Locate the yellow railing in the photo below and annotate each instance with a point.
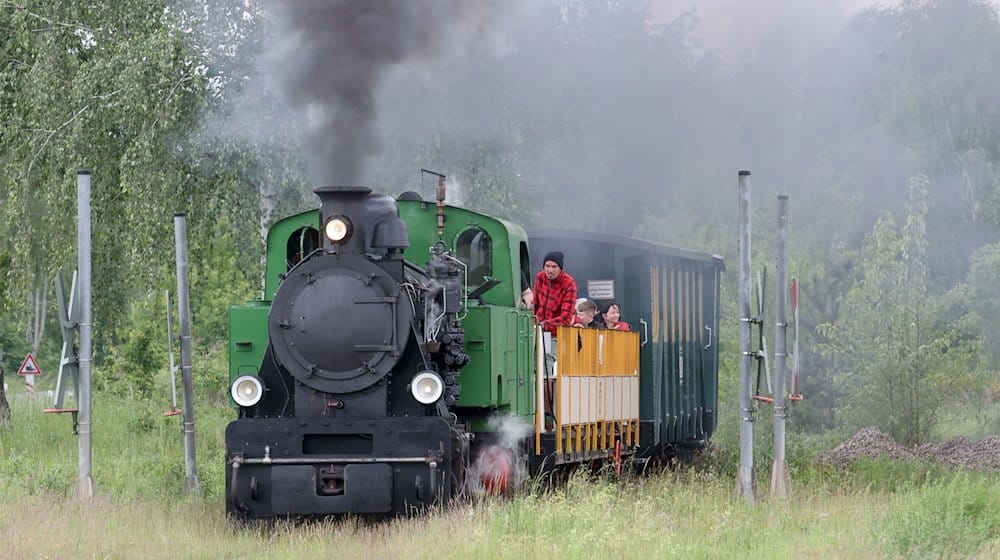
(596, 393)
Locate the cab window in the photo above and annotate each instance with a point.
(475, 248)
(525, 267)
(301, 242)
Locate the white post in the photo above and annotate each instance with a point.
(29, 386)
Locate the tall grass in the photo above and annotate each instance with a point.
(950, 517)
(136, 451)
(875, 510)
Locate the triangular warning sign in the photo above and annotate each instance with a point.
(29, 366)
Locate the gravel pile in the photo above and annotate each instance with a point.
(869, 442)
(960, 452)
(957, 452)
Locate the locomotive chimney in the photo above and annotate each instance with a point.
(342, 215)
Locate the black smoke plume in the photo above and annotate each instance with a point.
(328, 59)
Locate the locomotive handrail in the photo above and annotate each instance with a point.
(293, 266)
(518, 333)
(539, 386)
(233, 488)
(465, 284)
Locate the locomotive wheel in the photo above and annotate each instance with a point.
(495, 470)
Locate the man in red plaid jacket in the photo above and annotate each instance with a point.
(555, 294)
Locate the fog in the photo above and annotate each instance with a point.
(634, 117)
(736, 29)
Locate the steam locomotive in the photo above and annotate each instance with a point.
(388, 369)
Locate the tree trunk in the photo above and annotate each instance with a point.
(5, 417)
(41, 306)
(39, 300)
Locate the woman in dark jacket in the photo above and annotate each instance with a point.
(612, 318)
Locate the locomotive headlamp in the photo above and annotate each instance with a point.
(337, 228)
(427, 387)
(246, 390)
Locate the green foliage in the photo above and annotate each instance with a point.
(101, 88)
(488, 174)
(5, 261)
(130, 369)
(219, 281)
(899, 361)
(138, 367)
(950, 517)
(984, 300)
(211, 374)
(124, 88)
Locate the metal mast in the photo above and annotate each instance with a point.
(85, 482)
(187, 381)
(746, 485)
(779, 469)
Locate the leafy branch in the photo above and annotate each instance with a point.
(53, 23)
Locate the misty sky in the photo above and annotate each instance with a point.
(731, 26)
(603, 116)
(629, 121)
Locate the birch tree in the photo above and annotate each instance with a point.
(901, 363)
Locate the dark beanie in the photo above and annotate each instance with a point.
(554, 256)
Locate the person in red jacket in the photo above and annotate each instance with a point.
(554, 294)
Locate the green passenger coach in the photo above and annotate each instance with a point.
(670, 297)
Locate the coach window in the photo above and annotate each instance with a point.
(475, 248)
(301, 242)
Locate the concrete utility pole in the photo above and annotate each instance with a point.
(84, 483)
(187, 380)
(746, 482)
(779, 469)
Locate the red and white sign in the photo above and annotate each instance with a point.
(29, 366)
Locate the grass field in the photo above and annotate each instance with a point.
(878, 509)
